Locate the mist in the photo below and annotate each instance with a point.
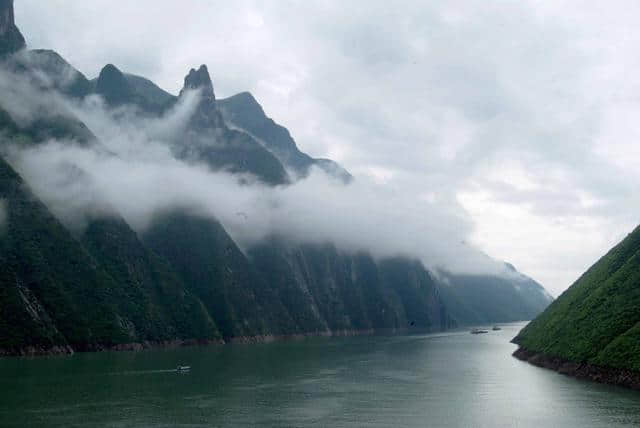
(132, 172)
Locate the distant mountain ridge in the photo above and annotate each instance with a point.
(482, 299)
(184, 279)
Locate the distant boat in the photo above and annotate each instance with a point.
(479, 331)
(496, 328)
(183, 368)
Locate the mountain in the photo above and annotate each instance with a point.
(11, 40)
(483, 299)
(48, 70)
(183, 279)
(243, 111)
(210, 140)
(207, 138)
(212, 267)
(114, 87)
(331, 290)
(593, 329)
(56, 295)
(153, 298)
(153, 96)
(119, 89)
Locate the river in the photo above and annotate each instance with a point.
(453, 379)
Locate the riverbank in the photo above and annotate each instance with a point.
(38, 351)
(41, 350)
(608, 375)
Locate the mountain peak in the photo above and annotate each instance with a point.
(113, 85)
(110, 69)
(199, 79)
(11, 40)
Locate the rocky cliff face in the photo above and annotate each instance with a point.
(325, 289)
(200, 80)
(208, 139)
(11, 40)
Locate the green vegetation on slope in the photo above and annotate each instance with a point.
(104, 290)
(213, 268)
(150, 293)
(597, 320)
(325, 289)
(48, 280)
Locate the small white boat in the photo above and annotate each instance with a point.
(183, 368)
(479, 331)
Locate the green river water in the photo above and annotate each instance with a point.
(452, 379)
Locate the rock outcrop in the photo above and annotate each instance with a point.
(11, 40)
(201, 80)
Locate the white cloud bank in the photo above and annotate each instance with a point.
(132, 172)
(521, 114)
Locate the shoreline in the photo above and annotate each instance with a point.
(607, 375)
(62, 350)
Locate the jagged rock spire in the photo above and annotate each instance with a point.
(11, 40)
(199, 79)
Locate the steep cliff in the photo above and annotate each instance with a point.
(11, 40)
(596, 322)
(58, 293)
(327, 289)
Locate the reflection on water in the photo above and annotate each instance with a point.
(454, 379)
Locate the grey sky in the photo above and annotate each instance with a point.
(520, 116)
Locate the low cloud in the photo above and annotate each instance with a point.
(25, 100)
(433, 98)
(132, 172)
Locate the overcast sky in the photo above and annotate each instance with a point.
(520, 115)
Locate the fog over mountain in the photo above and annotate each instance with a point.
(138, 218)
(133, 172)
(208, 173)
(508, 113)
